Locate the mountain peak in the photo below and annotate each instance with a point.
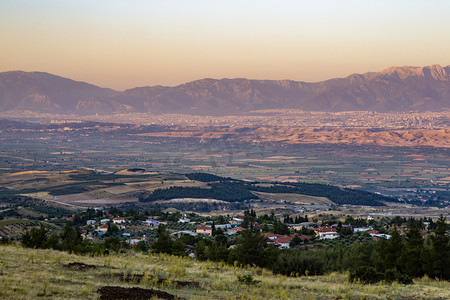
(436, 72)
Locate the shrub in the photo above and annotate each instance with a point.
(365, 274)
(247, 279)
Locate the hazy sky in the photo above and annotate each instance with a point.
(127, 43)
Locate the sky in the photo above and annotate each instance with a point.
(122, 44)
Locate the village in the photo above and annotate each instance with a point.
(133, 230)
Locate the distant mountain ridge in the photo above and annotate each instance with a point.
(392, 90)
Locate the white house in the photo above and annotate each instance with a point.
(119, 220)
(223, 226)
(362, 229)
(326, 232)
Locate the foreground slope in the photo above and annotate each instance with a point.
(29, 274)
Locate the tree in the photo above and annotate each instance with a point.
(36, 237)
(200, 250)
(280, 228)
(142, 246)
(440, 251)
(71, 239)
(112, 244)
(389, 251)
(411, 259)
(250, 248)
(164, 243)
(295, 241)
(112, 229)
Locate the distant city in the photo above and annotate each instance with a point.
(272, 117)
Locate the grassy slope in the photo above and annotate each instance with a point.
(29, 274)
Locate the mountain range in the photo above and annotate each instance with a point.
(396, 89)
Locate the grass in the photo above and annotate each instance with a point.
(33, 274)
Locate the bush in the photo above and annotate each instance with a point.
(247, 279)
(365, 274)
(299, 262)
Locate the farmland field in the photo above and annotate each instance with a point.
(374, 168)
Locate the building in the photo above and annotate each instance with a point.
(234, 230)
(223, 226)
(278, 240)
(151, 222)
(103, 228)
(183, 232)
(238, 219)
(296, 227)
(376, 235)
(204, 230)
(326, 232)
(119, 220)
(362, 229)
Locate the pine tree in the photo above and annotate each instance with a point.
(164, 243)
(250, 249)
(390, 251)
(411, 258)
(440, 251)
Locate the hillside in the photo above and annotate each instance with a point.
(81, 188)
(43, 92)
(393, 90)
(353, 136)
(53, 274)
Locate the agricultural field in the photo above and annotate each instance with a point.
(14, 228)
(169, 277)
(349, 165)
(82, 188)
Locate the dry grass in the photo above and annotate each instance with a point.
(31, 274)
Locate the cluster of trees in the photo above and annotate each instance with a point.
(236, 191)
(336, 194)
(206, 177)
(397, 259)
(227, 191)
(69, 240)
(297, 220)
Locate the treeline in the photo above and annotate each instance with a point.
(200, 206)
(336, 194)
(206, 177)
(70, 240)
(398, 259)
(227, 191)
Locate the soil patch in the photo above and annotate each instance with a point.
(80, 266)
(117, 292)
(157, 280)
